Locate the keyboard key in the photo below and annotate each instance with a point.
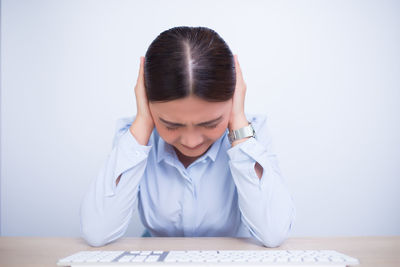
(152, 258)
(309, 259)
(126, 259)
(138, 258)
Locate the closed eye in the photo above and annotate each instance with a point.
(171, 128)
(211, 126)
(208, 127)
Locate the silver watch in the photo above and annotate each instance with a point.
(247, 131)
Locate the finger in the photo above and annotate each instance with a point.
(239, 75)
(141, 70)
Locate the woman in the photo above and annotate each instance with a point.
(191, 160)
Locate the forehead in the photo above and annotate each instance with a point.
(189, 109)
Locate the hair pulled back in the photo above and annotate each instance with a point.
(184, 61)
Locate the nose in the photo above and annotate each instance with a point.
(192, 139)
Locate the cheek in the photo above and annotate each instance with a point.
(167, 136)
(219, 130)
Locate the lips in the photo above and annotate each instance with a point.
(194, 148)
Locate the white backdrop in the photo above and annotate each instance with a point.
(325, 72)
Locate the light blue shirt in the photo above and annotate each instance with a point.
(219, 194)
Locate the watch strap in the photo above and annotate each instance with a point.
(247, 131)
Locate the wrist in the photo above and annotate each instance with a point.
(238, 122)
(141, 129)
(146, 123)
(240, 130)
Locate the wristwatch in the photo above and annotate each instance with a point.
(247, 131)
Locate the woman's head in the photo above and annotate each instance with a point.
(190, 80)
(185, 61)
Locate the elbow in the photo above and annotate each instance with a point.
(99, 232)
(94, 241)
(93, 235)
(276, 237)
(91, 227)
(93, 230)
(273, 241)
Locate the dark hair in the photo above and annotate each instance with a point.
(185, 61)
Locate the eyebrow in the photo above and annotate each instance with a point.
(200, 124)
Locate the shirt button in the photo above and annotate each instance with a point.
(137, 153)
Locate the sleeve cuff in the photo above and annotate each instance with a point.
(131, 145)
(249, 148)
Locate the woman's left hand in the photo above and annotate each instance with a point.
(237, 118)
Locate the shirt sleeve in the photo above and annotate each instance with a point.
(265, 203)
(106, 208)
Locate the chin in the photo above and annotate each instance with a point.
(194, 153)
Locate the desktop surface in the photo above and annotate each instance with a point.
(46, 251)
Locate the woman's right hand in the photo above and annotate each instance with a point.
(143, 125)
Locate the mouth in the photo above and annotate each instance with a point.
(193, 148)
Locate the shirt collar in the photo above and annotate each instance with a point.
(166, 151)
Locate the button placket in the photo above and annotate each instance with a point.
(188, 209)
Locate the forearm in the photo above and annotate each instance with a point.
(265, 203)
(105, 218)
(106, 208)
(141, 129)
(266, 208)
(238, 123)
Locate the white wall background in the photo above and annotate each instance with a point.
(327, 73)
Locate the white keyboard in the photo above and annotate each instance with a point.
(198, 258)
